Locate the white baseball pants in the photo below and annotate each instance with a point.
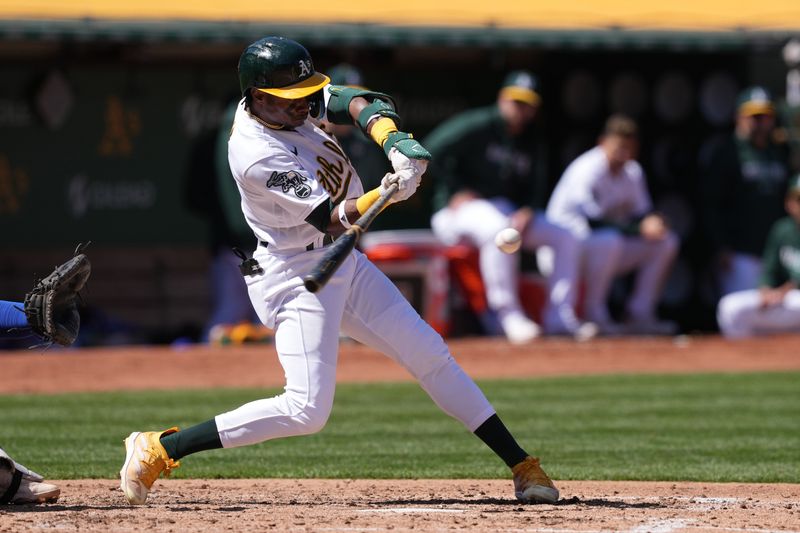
(478, 221)
(362, 302)
(607, 254)
(740, 315)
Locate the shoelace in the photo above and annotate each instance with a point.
(154, 464)
(169, 466)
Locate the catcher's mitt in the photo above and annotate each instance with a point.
(51, 306)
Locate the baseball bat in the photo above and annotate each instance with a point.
(341, 247)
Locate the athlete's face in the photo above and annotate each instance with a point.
(517, 115)
(619, 150)
(758, 128)
(793, 205)
(280, 111)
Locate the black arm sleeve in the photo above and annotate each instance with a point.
(320, 217)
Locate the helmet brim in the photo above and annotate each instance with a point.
(756, 107)
(521, 94)
(308, 86)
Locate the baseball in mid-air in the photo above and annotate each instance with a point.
(508, 240)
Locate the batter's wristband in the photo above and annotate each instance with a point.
(377, 107)
(367, 199)
(393, 138)
(381, 129)
(343, 215)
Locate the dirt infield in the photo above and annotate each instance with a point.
(401, 505)
(418, 505)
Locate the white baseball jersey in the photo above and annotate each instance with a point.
(588, 190)
(283, 175)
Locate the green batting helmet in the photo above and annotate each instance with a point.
(281, 67)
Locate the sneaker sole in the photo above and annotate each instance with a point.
(45, 497)
(49, 497)
(538, 493)
(131, 496)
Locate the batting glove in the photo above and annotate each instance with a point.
(407, 182)
(401, 161)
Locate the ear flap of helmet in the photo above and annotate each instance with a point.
(316, 104)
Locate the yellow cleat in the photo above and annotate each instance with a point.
(531, 484)
(145, 459)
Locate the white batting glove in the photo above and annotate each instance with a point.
(407, 182)
(403, 162)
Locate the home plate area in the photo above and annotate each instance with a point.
(413, 505)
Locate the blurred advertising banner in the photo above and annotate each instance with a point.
(102, 153)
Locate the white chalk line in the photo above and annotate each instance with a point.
(662, 526)
(653, 526)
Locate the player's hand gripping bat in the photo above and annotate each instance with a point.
(341, 247)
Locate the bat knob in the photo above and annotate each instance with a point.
(311, 284)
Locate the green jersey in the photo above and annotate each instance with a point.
(744, 192)
(474, 151)
(782, 254)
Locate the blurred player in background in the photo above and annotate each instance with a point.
(299, 190)
(602, 199)
(490, 173)
(210, 192)
(743, 192)
(774, 307)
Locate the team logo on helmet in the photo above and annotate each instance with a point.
(525, 80)
(305, 67)
(288, 181)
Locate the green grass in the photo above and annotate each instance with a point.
(707, 427)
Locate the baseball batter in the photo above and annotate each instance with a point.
(298, 189)
(774, 307)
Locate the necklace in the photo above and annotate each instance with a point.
(265, 123)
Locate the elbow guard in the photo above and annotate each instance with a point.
(338, 111)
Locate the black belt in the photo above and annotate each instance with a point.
(327, 239)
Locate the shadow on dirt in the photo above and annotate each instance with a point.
(501, 503)
(55, 508)
(610, 504)
(593, 502)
